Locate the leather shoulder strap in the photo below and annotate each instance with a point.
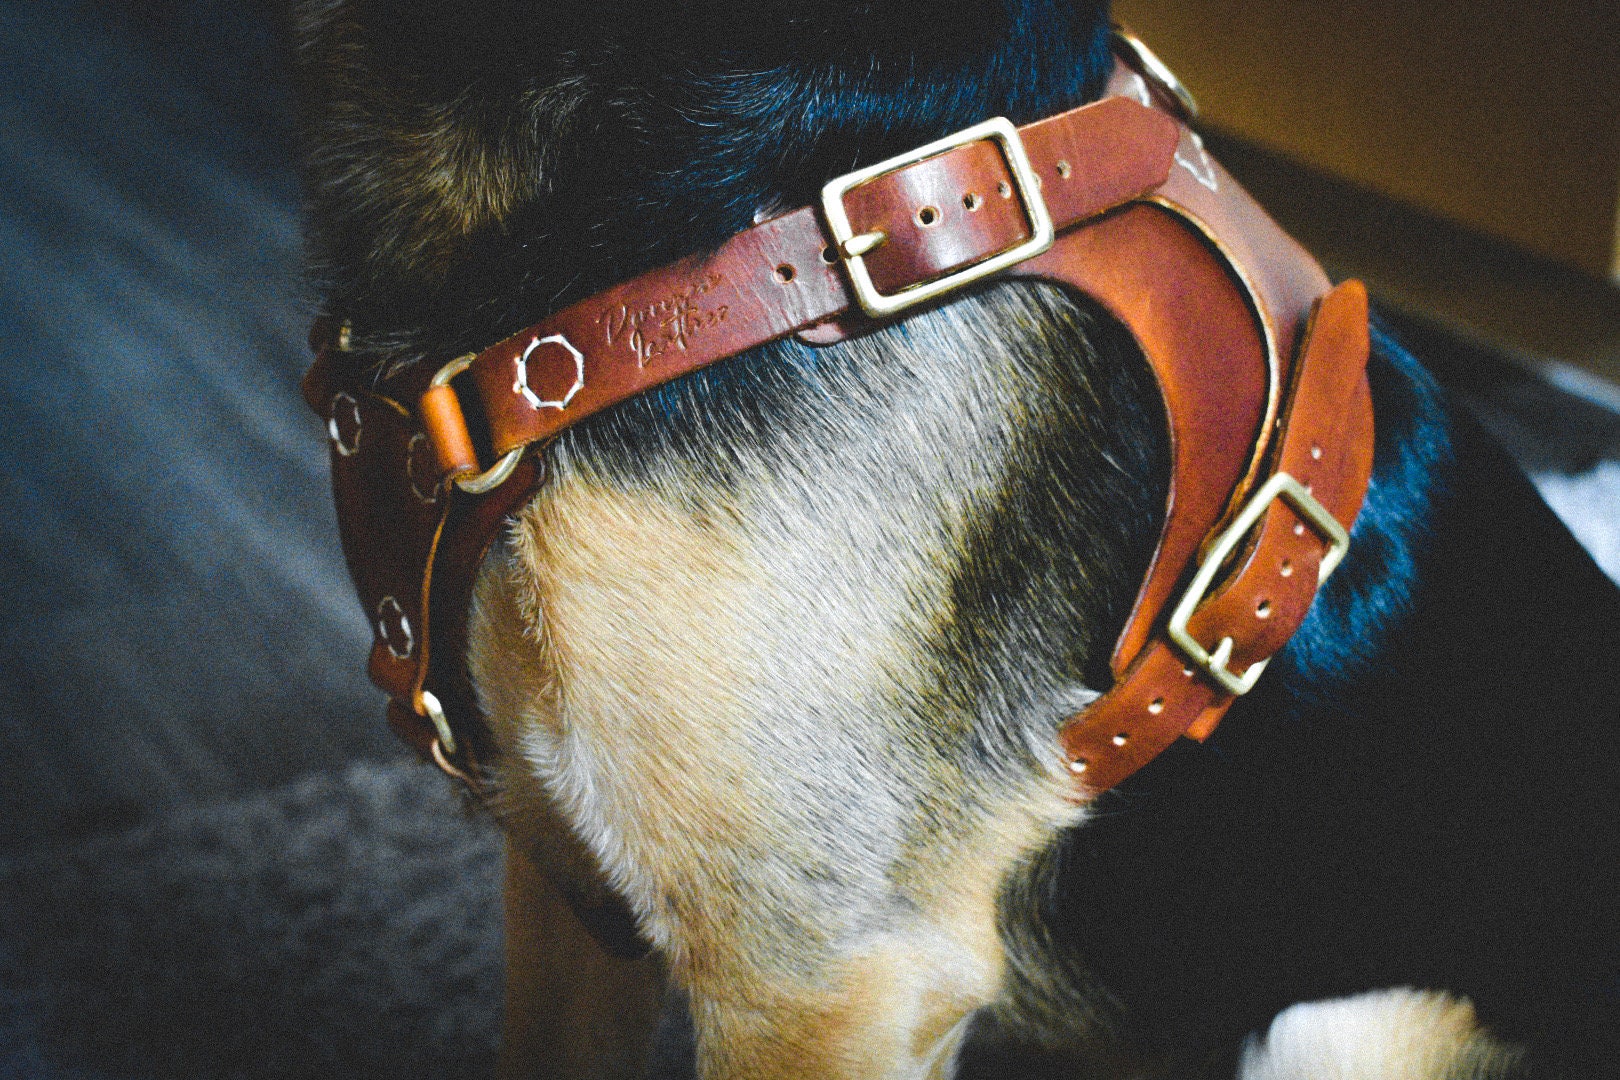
(936, 217)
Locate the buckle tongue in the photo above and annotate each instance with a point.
(1213, 662)
(1025, 182)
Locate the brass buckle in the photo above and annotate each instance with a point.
(877, 304)
(1280, 486)
(490, 478)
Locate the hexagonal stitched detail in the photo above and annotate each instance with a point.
(522, 384)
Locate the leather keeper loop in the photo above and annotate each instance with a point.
(446, 428)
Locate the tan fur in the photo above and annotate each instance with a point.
(696, 697)
(1390, 1035)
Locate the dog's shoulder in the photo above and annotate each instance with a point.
(1421, 788)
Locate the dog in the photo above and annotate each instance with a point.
(780, 650)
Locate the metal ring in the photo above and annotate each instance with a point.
(497, 474)
(493, 477)
(444, 740)
(453, 368)
(441, 723)
(448, 769)
(1158, 71)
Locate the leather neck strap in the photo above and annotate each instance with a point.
(1261, 365)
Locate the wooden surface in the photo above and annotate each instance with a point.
(572, 1011)
(1502, 116)
(1478, 287)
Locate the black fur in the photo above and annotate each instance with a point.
(1422, 790)
(636, 134)
(1419, 793)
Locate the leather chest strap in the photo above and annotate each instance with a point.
(1283, 547)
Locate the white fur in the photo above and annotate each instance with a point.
(1399, 1034)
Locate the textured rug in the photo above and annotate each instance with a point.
(342, 925)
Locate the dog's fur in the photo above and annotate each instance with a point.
(787, 643)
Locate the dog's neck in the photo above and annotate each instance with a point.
(464, 180)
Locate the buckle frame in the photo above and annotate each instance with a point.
(1280, 486)
(1025, 182)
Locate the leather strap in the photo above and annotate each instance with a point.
(1327, 447)
(1148, 225)
(774, 279)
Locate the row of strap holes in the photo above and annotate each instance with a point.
(973, 201)
(927, 217)
(1004, 189)
(1286, 567)
(1079, 765)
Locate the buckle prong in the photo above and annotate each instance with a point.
(853, 247)
(864, 244)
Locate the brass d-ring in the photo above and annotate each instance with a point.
(450, 770)
(455, 367)
(491, 478)
(497, 474)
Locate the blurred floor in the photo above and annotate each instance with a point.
(176, 621)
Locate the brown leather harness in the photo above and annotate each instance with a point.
(1262, 367)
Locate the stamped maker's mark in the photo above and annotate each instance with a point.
(654, 329)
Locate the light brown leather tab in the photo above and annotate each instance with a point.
(446, 429)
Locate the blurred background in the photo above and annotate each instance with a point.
(216, 860)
